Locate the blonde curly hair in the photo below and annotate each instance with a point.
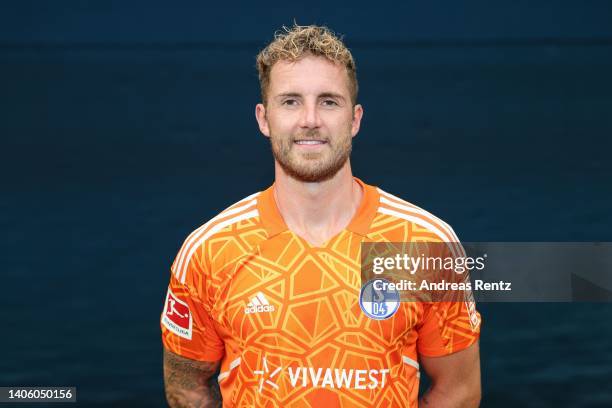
(291, 44)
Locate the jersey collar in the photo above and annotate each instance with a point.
(360, 224)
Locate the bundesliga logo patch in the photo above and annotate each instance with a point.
(177, 317)
(377, 301)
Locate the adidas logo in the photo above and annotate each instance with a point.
(258, 304)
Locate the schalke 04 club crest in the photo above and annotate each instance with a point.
(378, 301)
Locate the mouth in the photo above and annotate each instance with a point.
(309, 142)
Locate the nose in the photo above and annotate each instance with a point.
(310, 116)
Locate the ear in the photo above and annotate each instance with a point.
(357, 115)
(262, 121)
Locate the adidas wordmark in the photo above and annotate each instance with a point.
(258, 304)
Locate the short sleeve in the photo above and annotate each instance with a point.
(187, 327)
(449, 326)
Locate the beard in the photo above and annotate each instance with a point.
(311, 167)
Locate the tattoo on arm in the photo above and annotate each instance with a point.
(190, 383)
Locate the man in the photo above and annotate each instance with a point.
(268, 290)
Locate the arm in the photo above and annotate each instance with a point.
(455, 379)
(190, 383)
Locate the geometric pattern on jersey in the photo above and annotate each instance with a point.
(283, 316)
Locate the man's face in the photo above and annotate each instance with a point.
(309, 117)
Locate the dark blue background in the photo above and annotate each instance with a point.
(125, 126)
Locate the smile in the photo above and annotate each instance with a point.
(310, 142)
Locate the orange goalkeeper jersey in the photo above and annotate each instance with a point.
(284, 317)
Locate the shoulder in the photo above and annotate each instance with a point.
(392, 209)
(232, 224)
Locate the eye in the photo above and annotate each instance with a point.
(329, 102)
(290, 102)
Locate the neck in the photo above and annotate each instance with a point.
(319, 210)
